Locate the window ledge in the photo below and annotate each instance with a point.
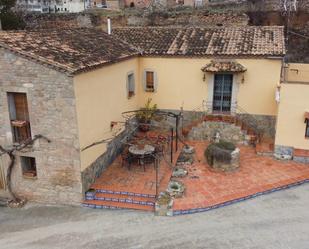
(30, 177)
(130, 96)
(149, 90)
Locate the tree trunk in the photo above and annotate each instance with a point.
(9, 174)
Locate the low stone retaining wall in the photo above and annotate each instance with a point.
(290, 153)
(266, 123)
(208, 129)
(194, 119)
(114, 148)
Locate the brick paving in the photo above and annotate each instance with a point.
(205, 188)
(135, 180)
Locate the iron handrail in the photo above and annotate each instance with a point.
(249, 120)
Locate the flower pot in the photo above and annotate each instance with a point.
(144, 126)
(185, 132)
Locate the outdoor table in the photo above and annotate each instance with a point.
(146, 150)
(140, 153)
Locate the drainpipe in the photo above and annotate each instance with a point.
(109, 26)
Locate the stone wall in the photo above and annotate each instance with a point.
(287, 153)
(114, 148)
(63, 20)
(228, 132)
(51, 104)
(265, 123)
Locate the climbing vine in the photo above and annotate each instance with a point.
(15, 200)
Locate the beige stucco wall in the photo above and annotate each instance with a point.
(290, 123)
(297, 72)
(101, 97)
(101, 94)
(180, 83)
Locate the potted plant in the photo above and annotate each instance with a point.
(145, 115)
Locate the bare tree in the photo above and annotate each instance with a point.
(17, 201)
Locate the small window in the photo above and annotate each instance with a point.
(307, 128)
(19, 117)
(131, 85)
(149, 81)
(28, 166)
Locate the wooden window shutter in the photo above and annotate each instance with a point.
(21, 106)
(150, 80)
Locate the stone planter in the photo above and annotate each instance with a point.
(227, 166)
(175, 189)
(179, 172)
(164, 205)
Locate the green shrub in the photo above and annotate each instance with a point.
(226, 145)
(11, 20)
(220, 151)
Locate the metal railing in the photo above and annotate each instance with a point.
(247, 119)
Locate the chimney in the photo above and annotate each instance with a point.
(109, 26)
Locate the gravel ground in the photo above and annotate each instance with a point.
(278, 220)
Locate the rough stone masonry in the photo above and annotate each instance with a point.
(51, 104)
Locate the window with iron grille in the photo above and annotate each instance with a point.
(19, 116)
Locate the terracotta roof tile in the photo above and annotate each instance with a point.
(227, 41)
(224, 66)
(71, 50)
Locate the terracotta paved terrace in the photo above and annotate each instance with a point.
(256, 175)
(135, 180)
(119, 187)
(134, 188)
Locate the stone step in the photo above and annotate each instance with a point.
(101, 188)
(149, 201)
(265, 149)
(3, 202)
(220, 118)
(115, 205)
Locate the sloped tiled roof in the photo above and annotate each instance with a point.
(67, 50)
(221, 41)
(77, 50)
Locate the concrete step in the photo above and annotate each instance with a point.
(265, 149)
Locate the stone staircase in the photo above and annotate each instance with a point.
(230, 128)
(108, 199)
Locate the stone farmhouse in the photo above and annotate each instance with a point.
(72, 86)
